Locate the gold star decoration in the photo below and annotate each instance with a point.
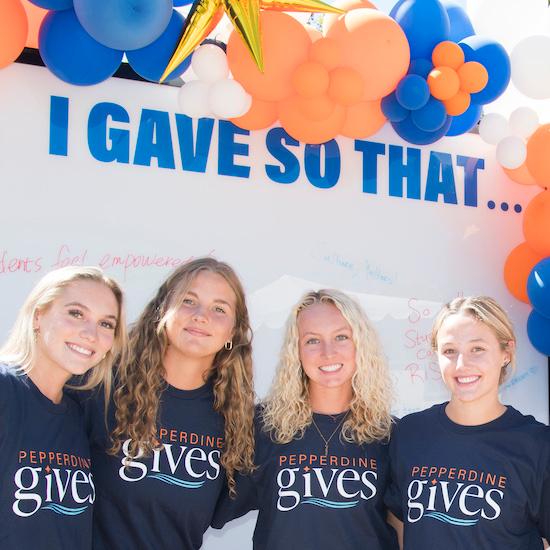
(245, 17)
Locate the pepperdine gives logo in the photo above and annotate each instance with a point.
(457, 496)
(343, 484)
(60, 482)
(187, 466)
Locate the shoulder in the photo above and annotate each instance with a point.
(417, 420)
(11, 381)
(527, 427)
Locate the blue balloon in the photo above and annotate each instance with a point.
(392, 109)
(412, 92)
(431, 117)
(72, 54)
(53, 4)
(124, 24)
(538, 287)
(150, 62)
(421, 67)
(178, 3)
(466, 121)
(461, 26)
(495, 59)
(424, 22)
(413, 134)
(538, 330)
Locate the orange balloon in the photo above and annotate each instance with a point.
(363, 119)
(458, 104)
(473, 77)
(13, 31)
(536, 223)
(538, 155)
(517, 267)
(314, 34)
(346, 86)
(285, 46)
(35, 15)
(520, 175)
(330, 18)
(304, 129)
(448, 54)
(317, 108)
(261, 114)
(443, 83)
(327, 52)
(375, 46)
(310, 79)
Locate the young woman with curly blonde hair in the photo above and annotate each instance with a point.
(180, 424)
(322, 435)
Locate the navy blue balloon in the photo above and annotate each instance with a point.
(431, 117)
(408, 130)
(53, 4)
(178, 3)
(538, 330)
(538, 287)
(424, 22)
(412, 92)
(71, 53)
(124, 24)
(466, 121)
(150, 62)
(392, 109)
(461, 26)
(495, 59)
(421, 67)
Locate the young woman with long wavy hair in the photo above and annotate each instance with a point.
(321, 436)
(71, 324)
(180, 424)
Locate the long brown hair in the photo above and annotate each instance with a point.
(140, 377)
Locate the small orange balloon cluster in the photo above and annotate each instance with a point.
(319, 86)
(452, 80)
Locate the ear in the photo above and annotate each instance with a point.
(36, 320)
(509, 350)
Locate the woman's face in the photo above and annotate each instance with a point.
(470, 358)
(76, 330)
(205, 320)
(326, 348)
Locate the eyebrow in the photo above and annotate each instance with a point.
(78, 304)
(217, 300)
(472, 341)
(341, 329)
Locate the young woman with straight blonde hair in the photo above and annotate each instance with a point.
(472, 472)
(71, 324)
(180, 423)
(321, 436)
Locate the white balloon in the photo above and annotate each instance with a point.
(228, 99)
(524, 121)
(531, 66)
(193, 99)
(210, 63)
(493, 127)
(511, 152)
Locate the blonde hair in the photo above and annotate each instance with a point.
(489, 312)
(287, 411)
(19, 350)
(140, 377)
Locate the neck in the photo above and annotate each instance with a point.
(473, 413)
(50, 384)
(329, 400)
(185, 373)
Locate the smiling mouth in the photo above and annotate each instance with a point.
(331, 368)
(466, 380)
(80, 350)
(197, 332)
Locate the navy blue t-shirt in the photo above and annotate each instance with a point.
(165, 500)
(463, 487)
(46, 489)
(307, 499)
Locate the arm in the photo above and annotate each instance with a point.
(397, 524)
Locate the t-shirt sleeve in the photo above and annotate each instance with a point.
(244, 501)
(544, 507)
(392, 497)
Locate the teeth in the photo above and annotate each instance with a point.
(84, 351)
(467, 379)
(331, 368)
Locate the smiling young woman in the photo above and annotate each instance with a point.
(180, 424)
(72, 323)
(472, 473)
(321, 436)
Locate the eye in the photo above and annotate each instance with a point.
(312, 341)
(342, 337)
(449, 351)
(219, 309)
(188, 301)
(478, 349)
(76, 313)
(108, 325)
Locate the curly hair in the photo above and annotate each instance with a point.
(141, 376)
(287, 411)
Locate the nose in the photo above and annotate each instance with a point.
(89, 332)
(327, 349)
(200, 315)
(460, 363)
